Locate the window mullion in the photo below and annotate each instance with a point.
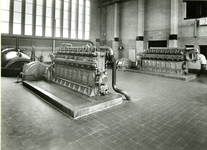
(34, 17)
(23, 17)
(77, 16)
(53, 19)
(69, 18)
(61, 18)
(84, 12)
(44, 18)
(11, 16)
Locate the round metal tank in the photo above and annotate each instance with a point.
(12, 61)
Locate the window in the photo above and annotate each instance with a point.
(87, 19)
(66, 19)
(28, 17)
(5, 16)
(39, 17)
(196, 9)
(17, 20)
(48, 26)
(73, 19)
(57, 18)
(80, 20)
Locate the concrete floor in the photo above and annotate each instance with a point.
(164, 114)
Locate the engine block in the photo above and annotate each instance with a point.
(82, 69)
(167, 60)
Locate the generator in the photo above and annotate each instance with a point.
(81, 68)
(168, 60)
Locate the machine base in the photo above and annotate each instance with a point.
(188, 77)
(70, 102)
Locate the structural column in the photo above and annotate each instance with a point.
(115, 43)
(173, 24)
(140, 29)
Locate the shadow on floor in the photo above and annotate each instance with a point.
(200, 79)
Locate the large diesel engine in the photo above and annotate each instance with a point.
(81, 68)
(168, 60)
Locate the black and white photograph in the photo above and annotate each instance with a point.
(103, 75)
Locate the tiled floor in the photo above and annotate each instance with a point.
(164, 114)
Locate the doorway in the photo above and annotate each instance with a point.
(162, 43)
(203, 50)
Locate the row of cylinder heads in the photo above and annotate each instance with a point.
(178, 67)
(173, 51)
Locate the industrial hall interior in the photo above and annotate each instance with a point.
(103, 75)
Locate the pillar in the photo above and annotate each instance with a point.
(115, 43)
(140, 27)
(173, 24)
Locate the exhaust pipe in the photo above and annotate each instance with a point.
(113, 60)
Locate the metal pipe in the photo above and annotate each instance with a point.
(111, 52)
(114, 72)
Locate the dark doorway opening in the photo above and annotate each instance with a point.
(157, 43)
(203, 50)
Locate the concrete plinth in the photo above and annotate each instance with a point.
(70, 102)
(187, 77)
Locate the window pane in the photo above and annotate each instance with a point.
(49, 12)
(80, 18)
(87, 27)
(65, 33)
(28, 8)
(29, 1)
(65, 24)
(17, 6)
(80, 10)
(49, 22)
(73, 34)
(16, 28)
(74, 9)
(87, 19)
(80, 34)
(28, 19)
(17, 17)
(58, 23)
(87, 3)
(57, 13)
(5, 15)
(80, 2)
(39, 2)
(74, 1)
(39, 10)
(48, 32)
(65, 15)
(73, 16)
(57, 33)
(4, 27)
(5, 4)
(73, 25)
(38, 20)
(80, 26)
(86, 35)
(49, 3)
(66, 5)
(38, 31)
(28, 29)
(87, 11)
(58, 4)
